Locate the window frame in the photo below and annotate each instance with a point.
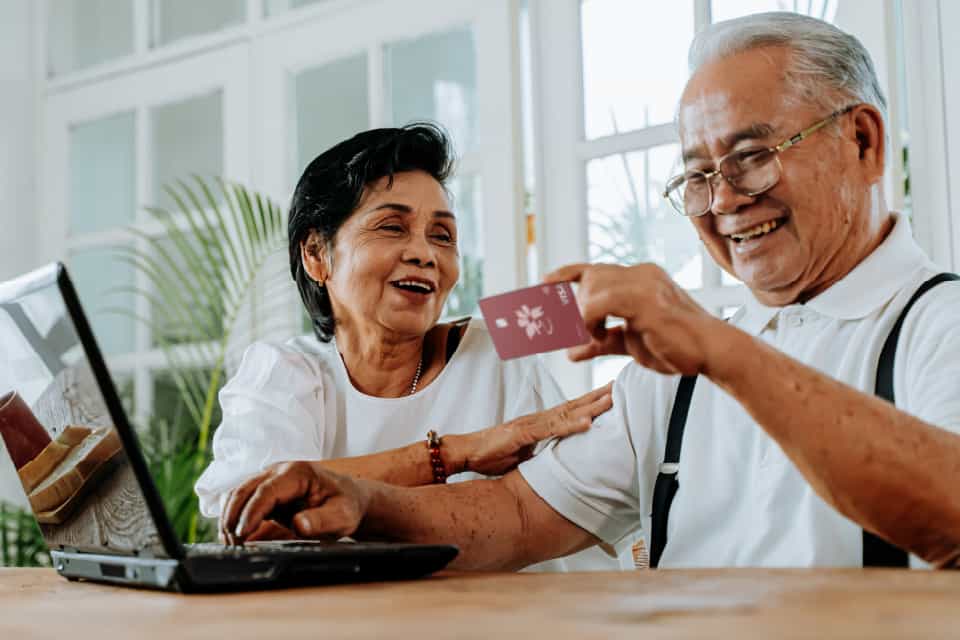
(218, 70)
(562, 152)
(237, 61)
(366, 29)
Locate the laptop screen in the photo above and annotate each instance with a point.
(58, 433)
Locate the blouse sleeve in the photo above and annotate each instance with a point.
(538, 391)
(272, 412)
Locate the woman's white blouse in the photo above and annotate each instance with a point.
(295, 402)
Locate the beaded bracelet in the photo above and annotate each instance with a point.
(436, 462)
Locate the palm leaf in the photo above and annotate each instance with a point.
(202, 275)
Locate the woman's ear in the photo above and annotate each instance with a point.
(313, 254)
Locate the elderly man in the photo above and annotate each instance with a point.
(788, 458)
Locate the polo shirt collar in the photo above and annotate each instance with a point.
(870, 285)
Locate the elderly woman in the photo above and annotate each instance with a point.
(383, 391)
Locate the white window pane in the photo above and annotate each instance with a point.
(175, 19)
(728, 9)
(187, 138)
(332, 104)
(634, 62)
(276, 7)
(465, 196)
(630, 222)
(82, 33)
(434, 78)
(104, 283)
(102, 174)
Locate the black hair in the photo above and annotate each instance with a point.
(333, 184)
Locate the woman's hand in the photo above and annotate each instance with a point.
(499, 449)
(285, 500)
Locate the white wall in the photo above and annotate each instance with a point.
(18, 109)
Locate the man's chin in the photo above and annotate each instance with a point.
(773, 292)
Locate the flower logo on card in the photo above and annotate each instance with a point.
(532, 321)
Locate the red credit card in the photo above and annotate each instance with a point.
(535, 319)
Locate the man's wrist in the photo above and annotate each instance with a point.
(727, 349)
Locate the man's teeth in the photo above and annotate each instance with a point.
(758, 230)
(415, 285)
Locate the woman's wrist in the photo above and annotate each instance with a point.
(455, 452)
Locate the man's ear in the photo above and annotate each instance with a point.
(313, 254)
(871, 140)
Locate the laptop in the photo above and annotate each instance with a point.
(85, 477)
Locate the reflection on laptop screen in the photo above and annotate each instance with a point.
(59, 435)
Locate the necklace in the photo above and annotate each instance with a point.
(416, 376)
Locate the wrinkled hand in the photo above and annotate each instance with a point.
(664, 329)
(293, 500)
(499, 449)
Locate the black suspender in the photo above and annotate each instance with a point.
(667, 483)
(876, 551)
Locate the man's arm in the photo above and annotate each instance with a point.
(492, 451)
(890, 472)
(497, 524)
(883, 468)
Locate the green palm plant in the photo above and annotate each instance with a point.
(21, 543)
(208, 272)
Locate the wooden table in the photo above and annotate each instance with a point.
(36, 603)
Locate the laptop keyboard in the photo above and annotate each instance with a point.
(286, 546)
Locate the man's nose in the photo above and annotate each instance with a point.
(726, 199)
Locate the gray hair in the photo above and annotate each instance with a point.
(823, 57)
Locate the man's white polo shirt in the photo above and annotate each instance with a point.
(741, 502)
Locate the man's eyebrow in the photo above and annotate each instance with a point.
(405, 209)
(753, 132)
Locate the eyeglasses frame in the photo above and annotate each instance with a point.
(776, 150)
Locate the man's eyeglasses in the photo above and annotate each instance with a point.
(749, 171)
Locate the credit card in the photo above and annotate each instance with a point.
(535, 319)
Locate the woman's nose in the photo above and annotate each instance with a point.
(419, 251)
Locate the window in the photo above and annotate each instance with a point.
(172, 20)
(278, 7)
(386, 68)
(332, 102)
(148, 92)
(84, 33)
(122, 139)
(604, 112)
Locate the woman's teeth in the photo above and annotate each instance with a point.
(759, 230)
(414, 285)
